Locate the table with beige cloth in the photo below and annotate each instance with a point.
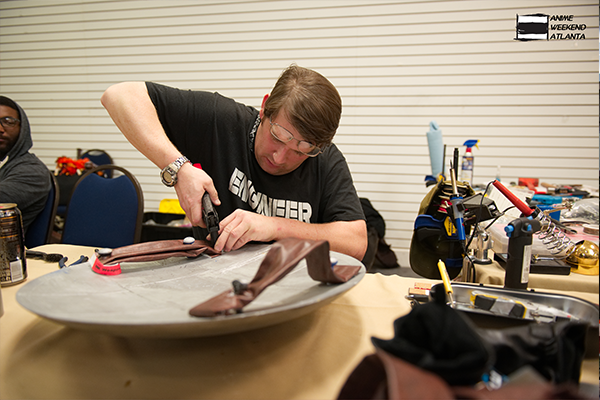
(493, 274)
(306, 358)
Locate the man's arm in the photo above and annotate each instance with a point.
(131, 109)
(133, 112)
(241, 227)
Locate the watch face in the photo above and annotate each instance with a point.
(168, 178)
(169, 173)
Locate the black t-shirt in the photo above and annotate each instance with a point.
(218, 133)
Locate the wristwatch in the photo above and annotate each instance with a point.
(168, 175)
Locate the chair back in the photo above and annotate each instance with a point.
(40, 230)
(104, 212)
(99, 157)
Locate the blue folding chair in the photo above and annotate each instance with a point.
(104, 212)
(40, 230)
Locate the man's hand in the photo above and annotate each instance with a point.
(241, 227)
(190, 187)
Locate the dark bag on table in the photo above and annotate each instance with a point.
(436, 352)
(379, 254)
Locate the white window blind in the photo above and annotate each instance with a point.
(398, 65)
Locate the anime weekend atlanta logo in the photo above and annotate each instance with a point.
(549, 27)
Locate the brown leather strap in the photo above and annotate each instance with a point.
(283, 256)
(156, 250)
(404, 380)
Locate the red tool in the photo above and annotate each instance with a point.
(522, 206)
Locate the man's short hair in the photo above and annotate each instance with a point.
(312, 103)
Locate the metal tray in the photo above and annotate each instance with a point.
(153, 299)
(580, 310)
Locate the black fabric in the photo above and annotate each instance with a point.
(24, 178)
(215, 131)
(372, 241)
(379, 254)
(385, 257)
(555, 350)
(373, 216)
(441, 340)
(66, 183)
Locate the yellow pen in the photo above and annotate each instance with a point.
(447, 284)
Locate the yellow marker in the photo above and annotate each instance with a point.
(446, 279)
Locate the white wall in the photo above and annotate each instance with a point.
(397, 64)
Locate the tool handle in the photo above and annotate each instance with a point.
(207, 205)
(211, 218)
(455, 165)
(453, 181)
(458, 215)
(208, 209)
(522, 206)
(445, 277)
(460, 228)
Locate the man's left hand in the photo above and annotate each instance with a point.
(241, 227)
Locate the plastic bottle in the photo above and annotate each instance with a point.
(468, 161)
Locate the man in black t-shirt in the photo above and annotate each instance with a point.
(271, 174)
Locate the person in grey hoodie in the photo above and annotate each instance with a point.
(24, 178)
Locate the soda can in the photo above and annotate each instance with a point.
(13, 264)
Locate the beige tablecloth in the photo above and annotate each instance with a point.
(306, 358)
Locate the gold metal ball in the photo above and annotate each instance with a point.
(584, 258)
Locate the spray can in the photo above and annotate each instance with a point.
(468, 161)
(13, 266)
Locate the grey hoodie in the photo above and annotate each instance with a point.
(24, 178)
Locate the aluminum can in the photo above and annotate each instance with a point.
(13, 264)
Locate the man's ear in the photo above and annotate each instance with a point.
(262, 106)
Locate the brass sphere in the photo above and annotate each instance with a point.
(584, 258)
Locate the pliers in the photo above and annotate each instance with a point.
(63, 262)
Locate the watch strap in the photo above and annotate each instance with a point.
(177, 164)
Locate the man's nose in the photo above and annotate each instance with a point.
(280, 155)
